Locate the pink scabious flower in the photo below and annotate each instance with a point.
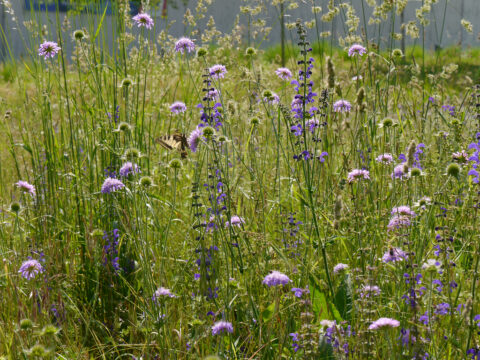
(384, 158)
(111, 185)
(342, 106)
(143, 20)
(217, 71)
(339, 267)
(394, 255)
(48, 49)
(356, 49)
(235, 221)
(358, 174)
(398, 222)
(184, 44)
(283, 73)
(194, 139)
(129, 168)
(162, 292)
(460, 156)
(297, 103)
(222, 327)
(178, 107)
(26, 187)
(384, 322)
(276, 278)
(30, 269)
(368, 290)
(403, 211)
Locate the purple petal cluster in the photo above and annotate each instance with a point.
(222, 327)
(384, 322)
(184, 44)
(358, 174)
(342, 106)
(143, 20)
(178, 107)
(26, 187)
(283, 73)
(356, 49)
(30, 269)
(194, 139)
(217, 71)
(276, 278)
(48, 49)
(129, 168)
(111, 185)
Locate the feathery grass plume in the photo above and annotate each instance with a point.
(411, 154)
(360, 100)
(330, 73)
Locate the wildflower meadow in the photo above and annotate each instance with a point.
(211, 197)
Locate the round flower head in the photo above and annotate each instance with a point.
(342, 106)
(194, 139)
(398, 222)
(339, 268)
(399, 172)
(184, 44)
(162, 292)
(178, 107)
(217, 71)
(368, 290)
(358, 174)
(431, 265)
(222, 327)
(276, 278)
(129, 168)
(403, 211)
(283, 73)
(384, 158)
(394, 255)
(143, 20)
(30, 269)
(235, 221)
(460, 156)
(272, 100)
(384, 322)
(48, 49)
(111, 185)
(26, 187)
(356, 49)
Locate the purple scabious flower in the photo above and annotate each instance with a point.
(403, 211)
(30, 269)
(26, 187)
(342, 106)
(339, 267)
(143, 20)
(222, 327)
(276, 278)
(358, 174)
(184, 44)
(48, 49)
(356, 49)
(384, 322)
(212, 94)
(217, 71)
(194, 139)
(111, 185)
(129, 168)
(460, 156)
(162, 292)
(283, 73)
(178, 107)
(235, 221)
(398, 222)
(312, 124)
(399, 172)
(384, 159)
(394, 255)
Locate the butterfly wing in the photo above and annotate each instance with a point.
(176, 141)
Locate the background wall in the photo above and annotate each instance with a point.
(225, 11)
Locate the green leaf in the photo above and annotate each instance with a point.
(343, 298)
(325, 310)
(267, 314)
(101, 23)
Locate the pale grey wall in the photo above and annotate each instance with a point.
(225, 11)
